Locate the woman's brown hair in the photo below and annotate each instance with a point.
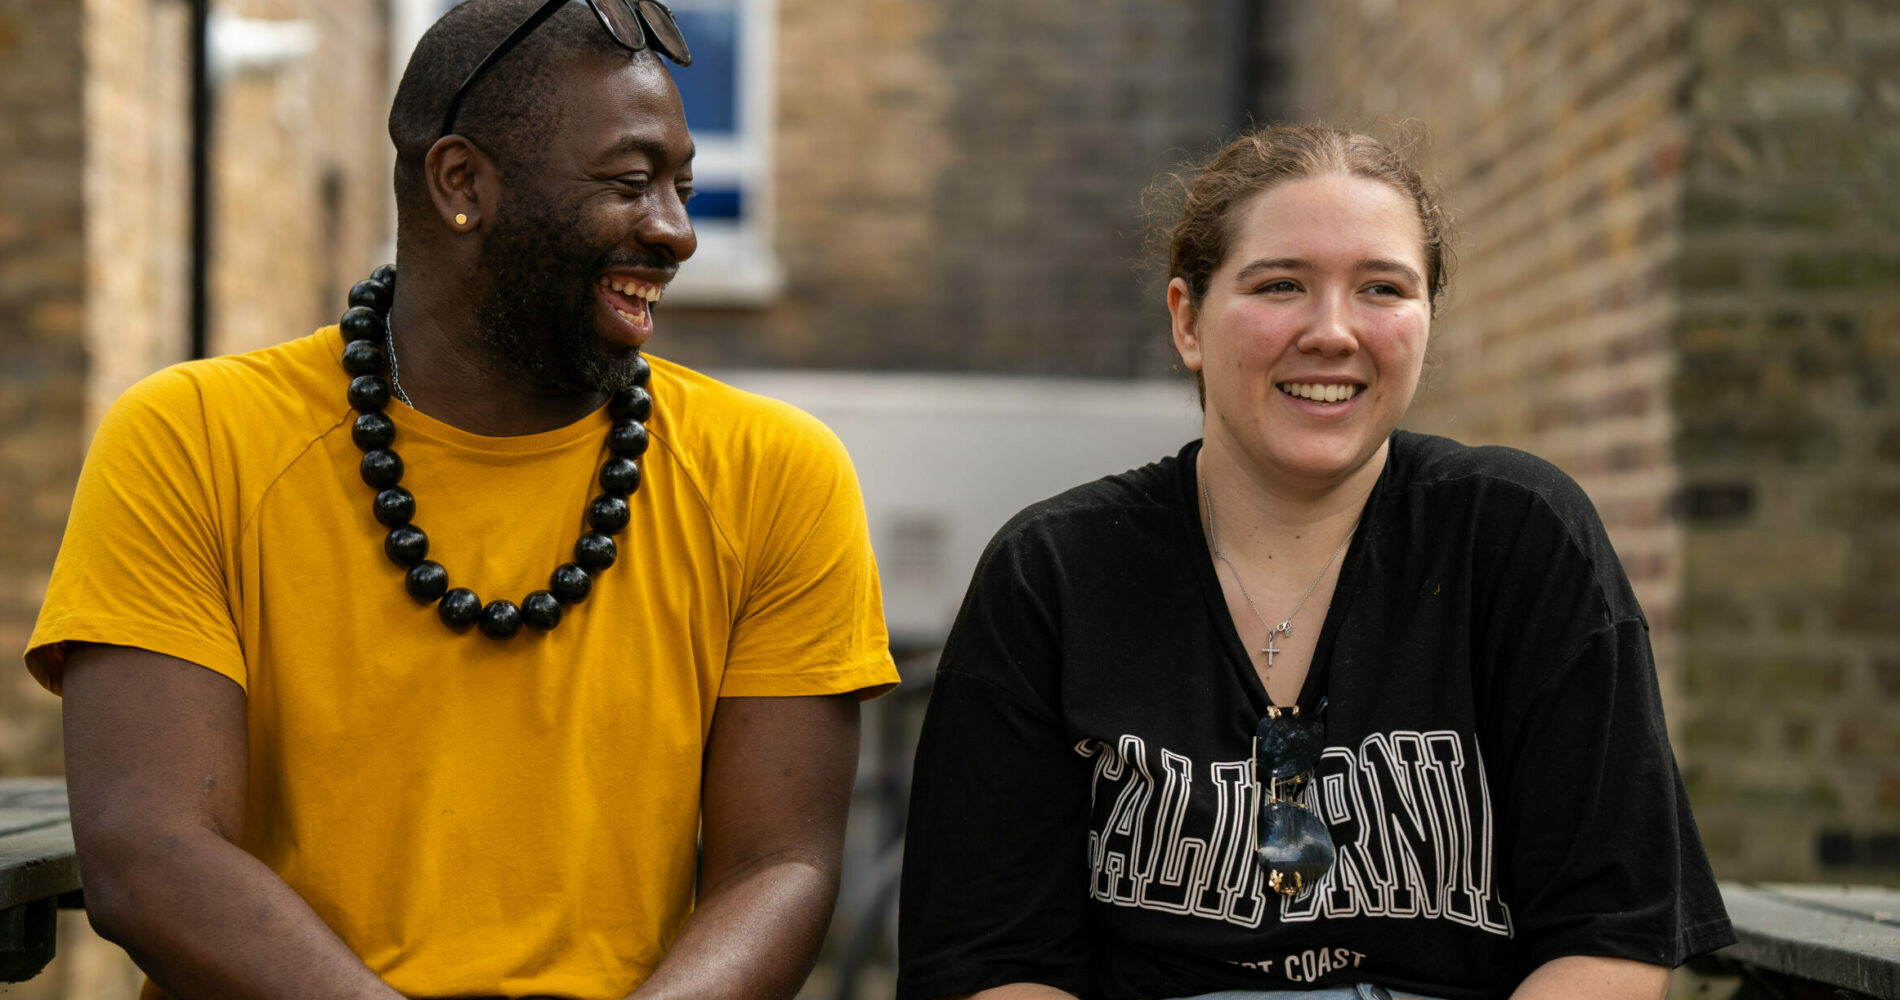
(1201, 198)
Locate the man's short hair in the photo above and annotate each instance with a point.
(512, 109)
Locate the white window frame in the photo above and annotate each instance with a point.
(736, 264)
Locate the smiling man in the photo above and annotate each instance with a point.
(590, 734)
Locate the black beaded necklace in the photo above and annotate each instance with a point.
(365, 330)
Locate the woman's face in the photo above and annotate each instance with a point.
(1312, 333)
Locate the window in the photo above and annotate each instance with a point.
(727, 92)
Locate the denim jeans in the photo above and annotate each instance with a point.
(1362, 991)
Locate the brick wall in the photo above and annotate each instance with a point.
(1788, 397)
(957, 185)
(137, 208)
(302, 175)
(43, 364)
(1679, 281)
(1554, 131)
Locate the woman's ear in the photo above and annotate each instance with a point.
(462, 182)
(1187, 341)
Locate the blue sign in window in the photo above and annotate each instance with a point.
(710, 203)
(709, 88)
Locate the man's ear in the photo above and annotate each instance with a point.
(462, 181)
(1187, 338)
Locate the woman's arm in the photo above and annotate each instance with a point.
(1589, 977)
(1608, 882)
(1022, 991)
(995, 883)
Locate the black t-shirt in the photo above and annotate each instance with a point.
(1496, 775)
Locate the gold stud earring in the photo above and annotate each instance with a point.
(460, 219)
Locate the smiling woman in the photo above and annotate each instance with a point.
(1315, 707)
(1310, 336)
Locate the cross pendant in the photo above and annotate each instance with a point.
(1284, 628)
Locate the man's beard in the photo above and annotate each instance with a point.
(536, 315)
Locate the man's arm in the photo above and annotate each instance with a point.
(776, 789)
(1589, 977)
(156, 764)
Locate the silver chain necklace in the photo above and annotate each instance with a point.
(389, 347)
(1286, 626)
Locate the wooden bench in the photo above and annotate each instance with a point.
(38, 872)
(1845, 937)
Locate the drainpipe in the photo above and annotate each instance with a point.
(200, 294)
(1240, 26)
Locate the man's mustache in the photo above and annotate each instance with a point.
(658, 260)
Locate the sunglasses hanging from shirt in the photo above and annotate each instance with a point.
(1292, 844)
(635, 24)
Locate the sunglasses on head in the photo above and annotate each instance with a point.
(635, 24)
(1292, 844)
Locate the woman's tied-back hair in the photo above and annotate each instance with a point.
(512, 109)
(1192, 209)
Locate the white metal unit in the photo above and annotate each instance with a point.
(946, 459)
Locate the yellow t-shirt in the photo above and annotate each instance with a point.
(472, 817)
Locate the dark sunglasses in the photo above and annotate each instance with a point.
(1292, 844)
(635, 24)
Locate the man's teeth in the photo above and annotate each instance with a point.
(1318, 392)
(638, 289)
(629, 317)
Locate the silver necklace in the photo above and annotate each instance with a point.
(1286, 626)
(389, 348)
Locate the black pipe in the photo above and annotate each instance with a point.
(1255, 59)
(200, 177)
(1236, 59)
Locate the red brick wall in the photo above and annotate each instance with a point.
(137, 207)
(958, 185)
(1680, 281)
(302, 168)
(1555, 132)
(1788, 401)
(43, 363)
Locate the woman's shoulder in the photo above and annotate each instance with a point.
(1427, 463)
(1521, 510)
(1143, 498)
(1428, 459)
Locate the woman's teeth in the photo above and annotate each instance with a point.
(1320, 392)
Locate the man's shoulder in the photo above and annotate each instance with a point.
(266, 393)
(706, 420)
(249, 387)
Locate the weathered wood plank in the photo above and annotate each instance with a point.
(36, 866)
(1875, 903)
(33, 793)
(36, 841)
(1839, 935)
(30, 803)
